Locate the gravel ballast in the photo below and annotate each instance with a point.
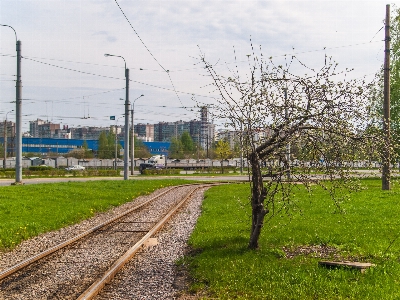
(151, 275)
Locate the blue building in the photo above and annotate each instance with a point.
(62, 146)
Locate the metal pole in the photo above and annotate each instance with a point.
(126, 126)
(5, 143)
(126, 142)
(386, 107)
(18, 121)
(133, 140)
(133, 135)
(5, 140)
(115, 160)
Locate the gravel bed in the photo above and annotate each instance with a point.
(159, 260)
(153, 273)
(44, 241)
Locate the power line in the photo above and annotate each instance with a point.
(148, 50)
(78, 97)
(69, 69)
(72, 61)
(130, 24)
(104, 76)
(197, 68)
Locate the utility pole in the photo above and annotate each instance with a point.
(133, 141)
(18, 121)
(133, 135)
(5, 144)
(5, 140)
(126, 142)
(116, 148)
(386, 106)
(18, 113)
(126, 135)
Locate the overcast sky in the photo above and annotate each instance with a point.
(66, 77)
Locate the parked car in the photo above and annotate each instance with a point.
(75, 168)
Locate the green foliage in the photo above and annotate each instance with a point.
(395, 72)
(161, 171)
(39, 168)
(76, 153)
(29, 210)
(88, 153)
(182, 147)
(140, 149)
(106, 145)
(176, 148)
(223, 150)
(43, 172)
(187, 142)
(363, 228)
(7, 173)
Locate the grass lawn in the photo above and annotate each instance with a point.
(28, 210)
(286, 265)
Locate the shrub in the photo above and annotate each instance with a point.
(39, 168)
(161, 171)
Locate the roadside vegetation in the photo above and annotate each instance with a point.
(27, 211)
(364, 227)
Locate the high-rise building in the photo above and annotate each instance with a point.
(34, 127)
(144, 132)
(88, 133)
(201, 132)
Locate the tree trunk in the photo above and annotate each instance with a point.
(258, 195)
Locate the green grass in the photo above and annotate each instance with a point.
(26, 211)
(366, 228)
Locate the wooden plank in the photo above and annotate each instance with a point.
(351, 264)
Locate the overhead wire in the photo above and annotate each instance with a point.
(77, 97)
(150, 85)
(188, 69)
(110, 77)
(148, 50)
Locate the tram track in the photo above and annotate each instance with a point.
(79, 267)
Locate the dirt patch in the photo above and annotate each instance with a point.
(320, 251)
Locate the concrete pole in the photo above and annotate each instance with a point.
(126, 142)
(18, 121)
(386, 107)
(133, 140)
(116, 148)
(5, 144)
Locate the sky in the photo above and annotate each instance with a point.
(67, 79)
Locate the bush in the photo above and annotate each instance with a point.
(9, 174)
(161, 171)
(39, 168)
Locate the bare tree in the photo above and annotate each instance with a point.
(323, 115)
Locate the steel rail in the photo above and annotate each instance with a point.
(55, 248)
(99, 284)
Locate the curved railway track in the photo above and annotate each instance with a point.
(80, 267)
